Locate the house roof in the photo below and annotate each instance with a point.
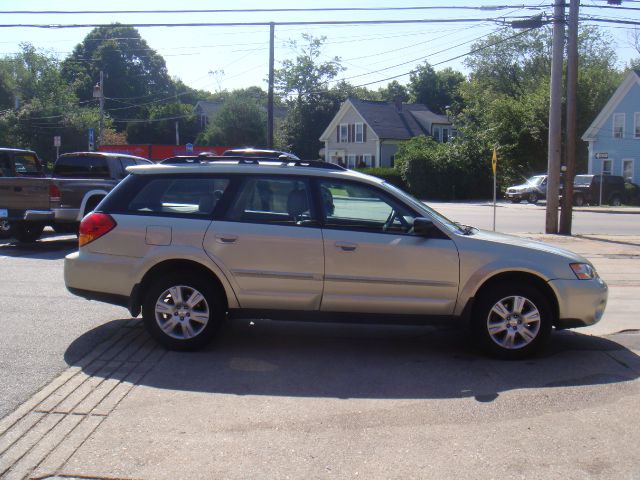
(388, 121)
(632, 78)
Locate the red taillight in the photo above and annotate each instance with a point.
(94, 226)
(54, 193)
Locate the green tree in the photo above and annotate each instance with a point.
(134, 74)
(160, 125)
(240, 122)
(392, 91)
(437, 90)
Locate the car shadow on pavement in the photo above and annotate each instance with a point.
(47, 248)
(359, 361)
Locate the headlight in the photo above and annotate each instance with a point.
(583, 271)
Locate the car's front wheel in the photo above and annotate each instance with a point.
(182, 311)
(578, 200)
(533, 197)
(512, 320)
(5, 228)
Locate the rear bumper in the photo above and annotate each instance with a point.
(580, 302)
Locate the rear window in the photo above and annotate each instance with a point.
(26, 163)
(81, 166)
(582, 180)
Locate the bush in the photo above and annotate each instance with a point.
(390, 175)
(445, 171)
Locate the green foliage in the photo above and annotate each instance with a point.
(161, 127)
(453, 170)
(391, 175)
(436, 90)
(239, 123)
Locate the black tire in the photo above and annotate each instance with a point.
(578, 200)
(615, 200)
(174, 328)
(27, 232)
(518, 332)
(66, 228)
(533, 197)
(5, 228)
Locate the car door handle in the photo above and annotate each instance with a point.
(347, 246)
(226, 238)
(17, 189)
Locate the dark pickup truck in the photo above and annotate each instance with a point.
(78, 183)
(587, 190)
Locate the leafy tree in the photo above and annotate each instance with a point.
(134, 74)
(392, 91)
(160, 125)
(436, 90)
(239, 123)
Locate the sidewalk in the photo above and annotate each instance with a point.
(133, 410)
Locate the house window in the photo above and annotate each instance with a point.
(436, 134)
(359, 133)
(618, 125)
(627, 169)
(636, 125)
(445, 135)
(344, 133)
(606, 167)
(351, 161)
(367, 160)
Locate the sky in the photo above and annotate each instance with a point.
(215, 58)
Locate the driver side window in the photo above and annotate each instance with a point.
(360, 207)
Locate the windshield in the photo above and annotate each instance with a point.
(430, 212)
(536, 180)
(26, 164)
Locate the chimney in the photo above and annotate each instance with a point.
(398, 101)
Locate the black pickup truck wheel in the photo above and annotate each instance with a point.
(5, 229)
(27, 232)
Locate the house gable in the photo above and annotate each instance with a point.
(347, 109)
(631, 80)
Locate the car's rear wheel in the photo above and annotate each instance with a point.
(27, 232)
(533, 197)
(516, 200)
(182, 311)
(5, 228)
(512, 320)
(578, 200)
(615, 201)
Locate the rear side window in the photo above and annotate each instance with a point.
(179, 196)
(5, 165)
(26, 163)
(81, 166)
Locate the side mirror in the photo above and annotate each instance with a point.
(423, 227)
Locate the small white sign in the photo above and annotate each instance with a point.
(57, 141)
(602, 155)
(4, 213)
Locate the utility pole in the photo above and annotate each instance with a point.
(572, 82)
(272, 28)
(177, 134)
(555, 120)
(98, 92)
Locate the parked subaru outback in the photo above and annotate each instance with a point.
(532, 190)
(189, 245)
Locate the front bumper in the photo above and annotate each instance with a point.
(580, 302)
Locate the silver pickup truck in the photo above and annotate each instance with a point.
(78, 183)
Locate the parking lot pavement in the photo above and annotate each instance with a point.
(291, 400)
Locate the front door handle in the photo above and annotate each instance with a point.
(347, 246)
(17, 189)
(226, 238)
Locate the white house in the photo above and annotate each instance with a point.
(367, 133)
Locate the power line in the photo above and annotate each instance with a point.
(503, 20)
(271, 10)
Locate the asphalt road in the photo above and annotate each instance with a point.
(529, 218)
(44, 329)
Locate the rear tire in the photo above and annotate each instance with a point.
(512, 320)
(27, 232)
(5, 229)
(183, 311)
(615, 201)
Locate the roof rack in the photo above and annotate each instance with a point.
(283, 160)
